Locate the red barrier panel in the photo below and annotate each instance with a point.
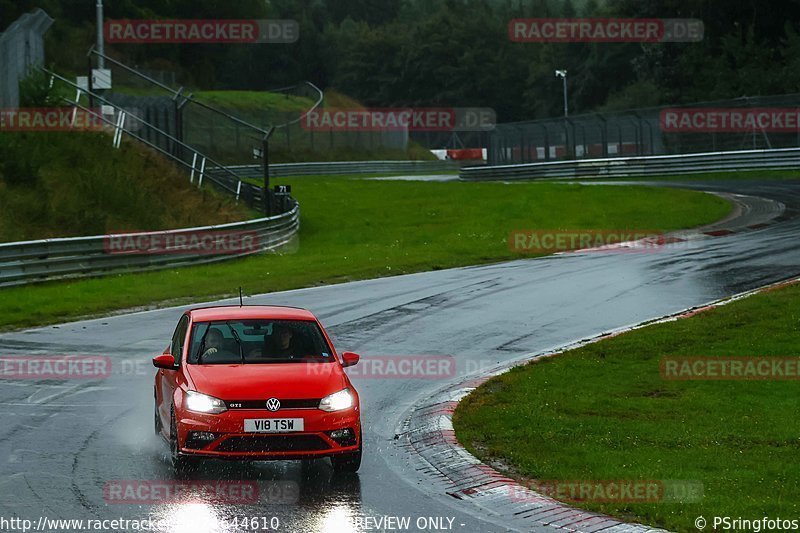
(466, 153)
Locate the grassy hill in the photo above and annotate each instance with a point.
(69, 184)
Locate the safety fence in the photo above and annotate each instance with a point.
(230, 127)
(341, 167)
(73, 257)
(617, 167)
(747, 123)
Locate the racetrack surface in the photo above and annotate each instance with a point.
(62, 442)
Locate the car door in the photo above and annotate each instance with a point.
(169, 378)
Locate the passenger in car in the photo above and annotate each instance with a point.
(280, 344)
(284, 343)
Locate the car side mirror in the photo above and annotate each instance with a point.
(165, 361)
(350, 358)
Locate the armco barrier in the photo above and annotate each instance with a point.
(33, 261)
(340, 167)
(782, 158)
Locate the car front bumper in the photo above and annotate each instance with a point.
(230, 441)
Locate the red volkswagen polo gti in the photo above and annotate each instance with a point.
(256, 383)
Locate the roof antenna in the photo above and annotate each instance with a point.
(241, 303)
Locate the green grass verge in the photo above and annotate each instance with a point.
(603, 412)
(255, 100)
(356, 229)
(248, 100)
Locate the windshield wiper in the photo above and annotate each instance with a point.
(238, 341)
(202, 345)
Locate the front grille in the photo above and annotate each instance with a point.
(273, 443)
(305, 403)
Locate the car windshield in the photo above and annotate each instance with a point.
(258, 341)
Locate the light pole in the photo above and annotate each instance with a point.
(101, 61)
(563, 75)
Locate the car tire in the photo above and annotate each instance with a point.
(347, 462)
(180, 463)
(157, 421)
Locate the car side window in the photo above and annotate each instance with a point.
(178, 337)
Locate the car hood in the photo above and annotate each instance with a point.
(259, 381)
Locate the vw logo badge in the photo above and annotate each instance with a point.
(273, 404)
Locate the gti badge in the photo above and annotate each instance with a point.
(273, 404)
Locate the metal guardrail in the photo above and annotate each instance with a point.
(42, 260)
(340, 167)
(781, 158)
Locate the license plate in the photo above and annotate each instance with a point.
(273, 425)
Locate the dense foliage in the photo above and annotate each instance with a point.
(457, 52)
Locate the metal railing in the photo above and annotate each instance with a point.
(341, 167)
(182, 115)
(224, 179)
(42, 260)
(182, 98)
(776, 159)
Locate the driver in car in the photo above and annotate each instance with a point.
(214, 342)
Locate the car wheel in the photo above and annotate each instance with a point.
(157, 421)
(347, 462)
(180, 463)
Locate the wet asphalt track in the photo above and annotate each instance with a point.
(62, 442)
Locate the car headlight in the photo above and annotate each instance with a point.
(201, 403)
(338, 401)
